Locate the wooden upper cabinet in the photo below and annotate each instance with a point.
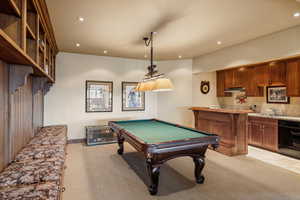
(293, 78)
(220, 83)
(229, 78)
(240, 77)
(261, 75)
(277, 73)
(254, 86)
(235, 77)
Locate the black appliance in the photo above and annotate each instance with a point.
(289, 138)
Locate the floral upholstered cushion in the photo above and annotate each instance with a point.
(46, 191)
(41, 152)
(49, 140)
(32, 172)
(53, 130)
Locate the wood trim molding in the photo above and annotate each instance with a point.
(45, 17)
(23, 25)
(297, 56)
(18, 76)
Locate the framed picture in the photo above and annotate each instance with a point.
(277, 94)
(131, 99)
(99, 96)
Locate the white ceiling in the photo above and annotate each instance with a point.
(185, 27)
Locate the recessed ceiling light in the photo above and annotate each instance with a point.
(105, 51)
(219, 42)
(179, 56)
(77, 45)
(81, 19)
(297, 14)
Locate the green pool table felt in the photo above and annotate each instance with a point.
(151, 131)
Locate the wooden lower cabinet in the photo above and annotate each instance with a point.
(255, 135)
(263, 132)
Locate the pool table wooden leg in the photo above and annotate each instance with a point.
(199, 165)
(153, 173)
(121, 144)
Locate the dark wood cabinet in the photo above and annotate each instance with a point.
(270, 136)
(255, 134)
(221, 84)
(235, 77)
(283, 72)
(252, 86)
(293, 78)
(263, 132)
(240, 77)
(261, 75)
(229, 78)
(277, 73)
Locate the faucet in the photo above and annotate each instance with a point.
(253, 107)
(274, 110)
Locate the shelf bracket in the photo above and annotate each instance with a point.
(47, 87)
(18, 76)
(38, 84)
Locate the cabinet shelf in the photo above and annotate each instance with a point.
(10, 7)
(12, 53)
(25, 35)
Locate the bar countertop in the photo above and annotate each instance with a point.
(221, 110)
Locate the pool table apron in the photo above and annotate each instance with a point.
(162, 152)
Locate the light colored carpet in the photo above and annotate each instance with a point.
(99, 173)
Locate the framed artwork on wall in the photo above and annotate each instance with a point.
(277, 94)
(131, 99)
(99, 96)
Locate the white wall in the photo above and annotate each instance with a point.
(200, 99)
(277, 45)
(65, 102)
(173, 106)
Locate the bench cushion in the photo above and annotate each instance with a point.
(32, 172)
(41, 152)
(46, 191)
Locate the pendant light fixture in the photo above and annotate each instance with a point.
(153, 81)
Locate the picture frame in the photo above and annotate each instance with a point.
(98, 96)
(132, 100)
(277, 94)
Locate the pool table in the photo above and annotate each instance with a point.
(161, 141)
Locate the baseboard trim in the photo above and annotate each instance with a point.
(76, 141)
